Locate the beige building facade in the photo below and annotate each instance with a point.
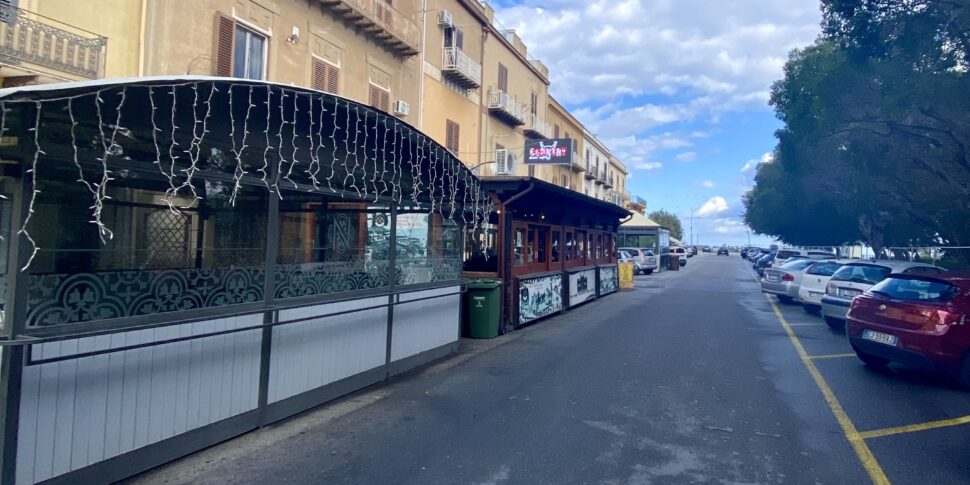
(445, 66)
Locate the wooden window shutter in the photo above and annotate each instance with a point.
(379, 98)
(326, 76)
(459, 39)
(225, 44)
(555, 131)
(452, 136)
(503, 78)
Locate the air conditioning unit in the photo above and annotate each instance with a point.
(402, 108)
(444, 19)
(504, 162)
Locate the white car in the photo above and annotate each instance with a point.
(856, 278)
(784, 254)
(814, 281)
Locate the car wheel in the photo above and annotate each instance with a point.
(649, 271)
(785, 299)
(871, 360)
(834, 323)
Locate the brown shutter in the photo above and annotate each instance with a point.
(555, 131)
(374, 96)
(380, 98)
(453, 136)
(503, 78)
(326, 76)
(225, 40)
(385, 100)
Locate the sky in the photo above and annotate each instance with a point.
(677, 89)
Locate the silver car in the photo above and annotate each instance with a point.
(647, 261)
(854, 279)
(784, 280)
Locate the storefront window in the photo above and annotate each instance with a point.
(599, 246)
(530, 247)
(208, 253)
(581, 245)
(556, 249)
(570, 250)
(427, 248)
(543, 236)
(519, 247)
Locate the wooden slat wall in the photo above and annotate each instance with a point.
(314, 353)
(82, 411)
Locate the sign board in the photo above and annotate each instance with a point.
(582, 286)
(539, 297)
(552, 151)
(608, 279)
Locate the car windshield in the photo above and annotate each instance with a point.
(797, 264)
(914, 289)
(824, 268)
(862, 273)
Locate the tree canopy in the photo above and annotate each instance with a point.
(877, 124)
(670, 221)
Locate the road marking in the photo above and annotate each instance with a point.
(945, 423)
(806, 325)
(868, 460)
(830, 356)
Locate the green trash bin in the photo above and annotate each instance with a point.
(483, 308)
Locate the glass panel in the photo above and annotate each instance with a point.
(6, 196)
(530, 247)
(911, 289)
(581, 245)
(519, 247)
(556, 250)
(543, 235)
(157, 260)
(570, 246)
(330, 247)
(428, 249)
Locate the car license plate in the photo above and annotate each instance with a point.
(879, 337)
(772, 278)
(814, 294)
(849, 293)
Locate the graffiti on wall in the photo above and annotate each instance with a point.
(539, 297)
(582, 286)
(608, 281)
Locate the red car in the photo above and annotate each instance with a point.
(919, 320)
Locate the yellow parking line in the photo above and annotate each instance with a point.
(830, 356)
(868, 460)
(914, 427)
(806, 324)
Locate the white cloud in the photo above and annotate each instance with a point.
(686, 157)
(707, 184)
(729, 51)
(754, 162)
(714, 206)
(729, 226)
(648, 166)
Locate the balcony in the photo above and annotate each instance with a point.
(463, 70)
(32, 45)
(590, 172)
(615, 197)
(535, 127)
(382, 22)
(606, 180)
(506, 107)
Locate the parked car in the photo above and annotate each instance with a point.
(763, 262)
(647, 260)
(854, 279)
(814, 281)
(723, 250)
(691, 251)
(788, 253)
(914, 319)
(681, 254)
(623, 256)
(785, 280)
(706, 249)
(754, 253)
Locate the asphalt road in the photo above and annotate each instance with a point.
(690, 378)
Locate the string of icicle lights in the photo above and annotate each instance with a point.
(325, 140)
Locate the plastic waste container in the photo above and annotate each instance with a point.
(482, 303)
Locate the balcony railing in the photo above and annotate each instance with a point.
(506, 107)
(382, 21)
(27, 38)
(590, 171)
(606, 180)
(460, 68)
(536, 127)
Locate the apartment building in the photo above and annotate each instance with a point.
(565, 125)
(596, 159)
(616, 174)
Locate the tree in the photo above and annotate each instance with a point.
(670, 221)
(877, 124)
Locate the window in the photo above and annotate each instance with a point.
(503, 78)
(570, 249)
(556, 249)
(454, 37)
(519, 247)
(581, 246)
(326, 76)
(240, 51)
(862, 273)
(535, 103)
(555, 131)
(916, 289)
(565, 181)
(532, 170)
(452, 130)
(543, 238)
(824, 268)
(380, 97)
